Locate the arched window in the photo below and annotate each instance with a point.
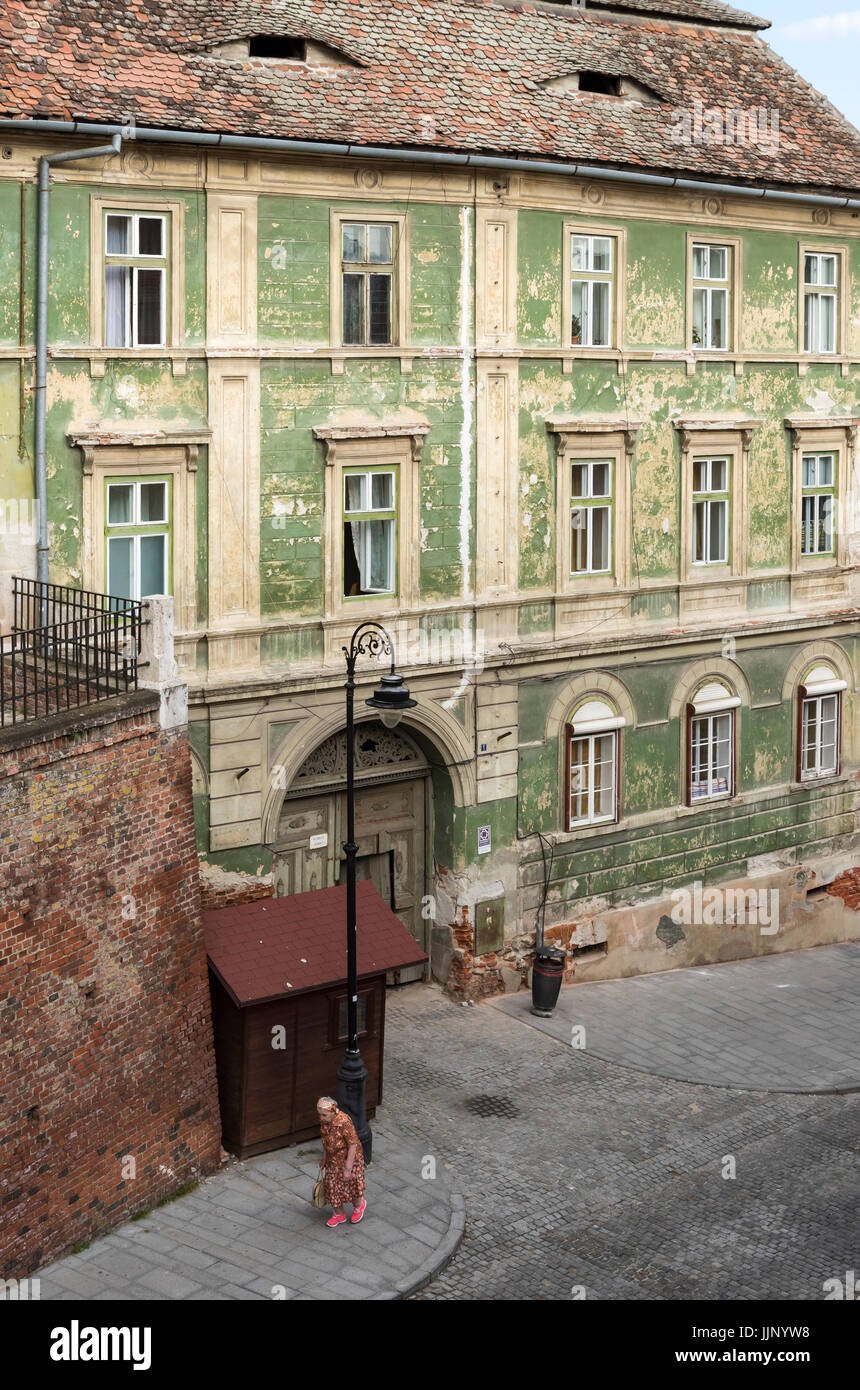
(711, 743)
(819, 739)
(592, 764)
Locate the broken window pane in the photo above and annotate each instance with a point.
(380, 242)
(353, 241)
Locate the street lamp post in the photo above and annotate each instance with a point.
(390, 700)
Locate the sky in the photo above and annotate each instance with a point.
(821, 39)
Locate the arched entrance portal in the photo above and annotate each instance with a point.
(392, 821)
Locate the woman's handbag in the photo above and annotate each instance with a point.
(318, 1198)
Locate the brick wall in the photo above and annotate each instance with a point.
(106, 1051)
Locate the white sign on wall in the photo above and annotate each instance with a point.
(485, 843)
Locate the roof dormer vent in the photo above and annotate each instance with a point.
(277, 46)
(603, 83)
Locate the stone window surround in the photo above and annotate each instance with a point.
(174, 210)
(841, 252)
(619, 286)
(137, 455)
(584, 438)
(366, 446)
(400, 288)
(715, 437)
(821, 434)
(705, 671)
(735, 346)
(823, 653)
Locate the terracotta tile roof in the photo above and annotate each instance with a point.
(457, 75)
(284, 946)
(708, 11)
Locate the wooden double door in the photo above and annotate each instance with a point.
(391, 831)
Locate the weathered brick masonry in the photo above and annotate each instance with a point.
(104, 1009)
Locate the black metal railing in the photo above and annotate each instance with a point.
(68, 647)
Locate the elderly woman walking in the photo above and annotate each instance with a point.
(343, 1161)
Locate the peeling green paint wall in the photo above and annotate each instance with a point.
(296, 396)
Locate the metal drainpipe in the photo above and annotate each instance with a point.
(40, 409)
(274, 145)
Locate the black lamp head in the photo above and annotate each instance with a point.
(391, 699)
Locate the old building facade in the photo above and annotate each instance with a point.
(584, 439)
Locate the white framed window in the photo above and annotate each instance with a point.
(592, 764)
(591, 516)
(135, 279)
(818, 504)
(138, 536)
(821, 290)
(712, 293)
(711, 756)
(819, 752)
(711, 494)
(592, 287)
(368, 251)
(369, 532)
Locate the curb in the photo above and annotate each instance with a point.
(435, 1263)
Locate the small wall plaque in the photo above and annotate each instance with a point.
(485, 840)
(318, 841)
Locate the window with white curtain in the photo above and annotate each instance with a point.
(135, 279)
(821, 302)
(592, 260)
(369, 531)
(712, 270)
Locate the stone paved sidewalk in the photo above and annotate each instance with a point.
(784, 1023)
(250, 1232)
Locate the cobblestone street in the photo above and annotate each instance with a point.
(579, 1172)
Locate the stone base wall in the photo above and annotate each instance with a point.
(813, 903)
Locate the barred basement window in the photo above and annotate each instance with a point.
(135, 279)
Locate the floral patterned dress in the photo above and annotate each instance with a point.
(337, 1137)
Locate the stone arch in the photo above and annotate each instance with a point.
(199, 775)
(596, 684)
(709, 668)
(438, 728)
(828, 652)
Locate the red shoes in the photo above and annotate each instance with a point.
(336, 1220)
(359, 1212)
